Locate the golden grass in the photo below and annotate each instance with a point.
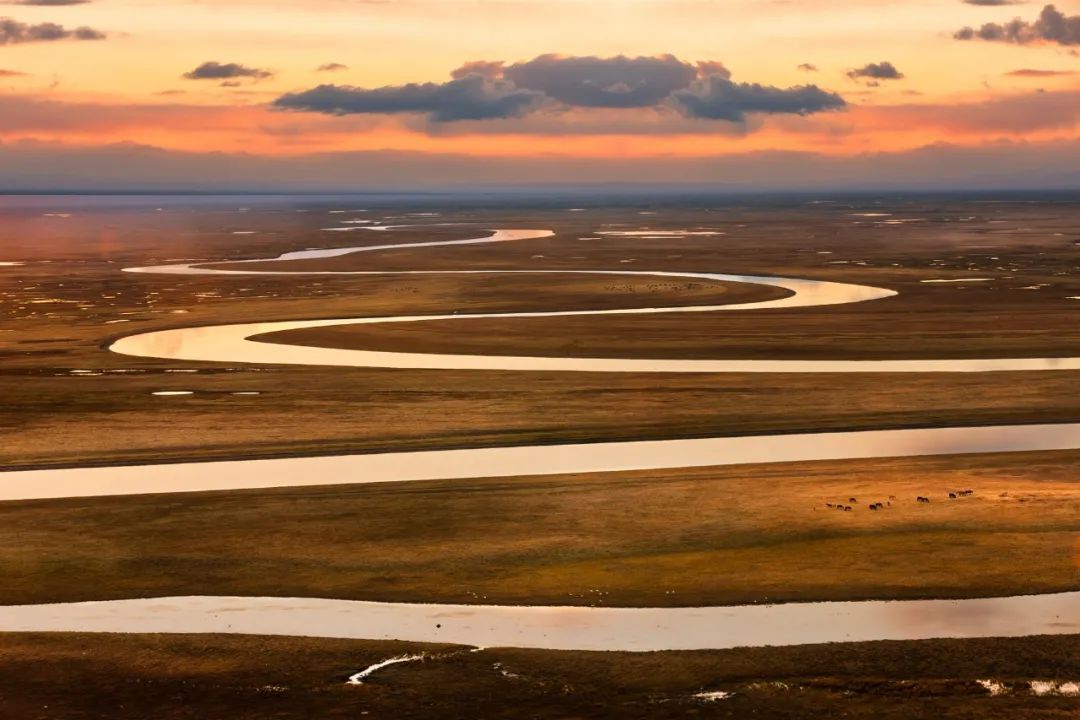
(677, 537)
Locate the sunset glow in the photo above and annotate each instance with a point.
(480, 79)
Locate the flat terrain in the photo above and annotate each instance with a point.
(665, 538)
(182, 677)
(707, 536)
(69, 402)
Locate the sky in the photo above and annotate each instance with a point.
(342, 94)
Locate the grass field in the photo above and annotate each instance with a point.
(666, 538)
(54, 417)
(705, 536)
(133, 677)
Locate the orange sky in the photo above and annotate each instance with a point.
(129, 87)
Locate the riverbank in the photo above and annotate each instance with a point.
(132, 677)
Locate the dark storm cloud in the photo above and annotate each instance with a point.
(618, 82)
(876, 71)
(469, 98)
(717, 98)
(13, 32)
(331, 67)
(226, 71)
(1052, 26)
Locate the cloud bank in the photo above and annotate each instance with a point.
(472, 97)
(998, 166)
(13, 32)
(717, 98)
(1052, 26)
(619, 82)
(486, 90)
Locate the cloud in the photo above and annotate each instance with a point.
(807, 67)
(1052, 26)
(876, 71)
(717, 98)
(226, 71)
(13, 32)
(472, 97)
(47, 3)
(618, 82)
(1008, 166)
(11, 73)
(484, 90)
(1018, 114)
(484, 68)
(1032, 73)
(993, 3)
(331, 67)
(706, 68)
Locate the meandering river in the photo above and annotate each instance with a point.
(583, 628)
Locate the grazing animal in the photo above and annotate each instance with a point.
(952, 496)
(847, 508)
(922, 499)
(873, 507)
(852, 500)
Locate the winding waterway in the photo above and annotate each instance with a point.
(582, 628)
(565, 628)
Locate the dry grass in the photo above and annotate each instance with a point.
(133, 677)
(49, 417)
(680, 537)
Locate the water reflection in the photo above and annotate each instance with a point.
(232, 343)
(531, 460)
(565, 628)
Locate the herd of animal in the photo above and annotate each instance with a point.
(847, 507)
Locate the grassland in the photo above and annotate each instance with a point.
(52, 416)
(706, 536)
(85, 677)
(673, 537)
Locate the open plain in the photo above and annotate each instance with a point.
(974, 279)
